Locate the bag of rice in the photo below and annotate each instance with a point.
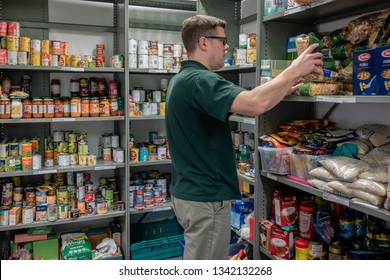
(344, 167)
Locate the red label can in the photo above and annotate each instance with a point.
(307, 211)
(13, 28)
(3, 28)
(3, 56)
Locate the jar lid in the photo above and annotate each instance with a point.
(95, 97)
(4, 99)
(335, 249)
(65, 97)
(300, 243)
(85, 98)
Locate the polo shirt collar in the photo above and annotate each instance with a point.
(192, 63)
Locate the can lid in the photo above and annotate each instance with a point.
(300, 243)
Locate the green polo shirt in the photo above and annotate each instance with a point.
(199, 137)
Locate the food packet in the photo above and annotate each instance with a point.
(314, 89)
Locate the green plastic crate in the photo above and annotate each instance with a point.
(155, 230)
(158, 249)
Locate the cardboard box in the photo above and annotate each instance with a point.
(285, 208)
(274, 6)
(265, 233)
(363, 73)
(46, 249)
(382, 66)
(282, 243)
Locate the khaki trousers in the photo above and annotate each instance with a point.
(206, 228)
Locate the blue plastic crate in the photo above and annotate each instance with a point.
(157, 249)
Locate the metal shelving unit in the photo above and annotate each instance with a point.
(35, 24)
(165, 207)
(151, 163)
(275, 29)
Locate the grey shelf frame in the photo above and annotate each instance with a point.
(35, 24)
(81, 219)
(274, 31)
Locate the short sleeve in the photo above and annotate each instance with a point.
(213, 95)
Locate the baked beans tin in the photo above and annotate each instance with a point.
(90, 207)
(4, 215)
(27, 214)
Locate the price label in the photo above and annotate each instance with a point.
(166, 208)
(248, 121)
(321, 2)
(63, 119)
(329, 99)
(294, 10)
(349, 99)
(109, 167)
(44, 171)
(335, 198)
(158, 71)
(272, 176)
(73, 69)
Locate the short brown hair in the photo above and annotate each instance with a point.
(198, 26)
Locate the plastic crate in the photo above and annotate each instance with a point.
(158, 249)
(275, 160)
(155, 230)
(300, 165)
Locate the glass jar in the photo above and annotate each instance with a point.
(27, 108)
(75, 107)
(74, 86)
(121, 109)
(58, 108)
(113, 88)
(102, 87)
(48, 105)
(85, 106)
(84, 87)
(37, 108)
(93, 86)
(6, 83)
(104, 107)
(113, 105)
(5, 108)
(94, 110)
(66, 106)
(55, 88)
(26, 84)
(16, 108)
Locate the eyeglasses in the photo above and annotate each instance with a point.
(223, 39)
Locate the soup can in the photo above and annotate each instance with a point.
(143, 47)
(133, 45)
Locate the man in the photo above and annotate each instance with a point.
(204, 176)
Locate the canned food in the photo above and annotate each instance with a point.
(24, 44)
(81, 206)
(62, 196)
(119, 206)
(27, 214)
(52, 212)
(101, 207)
(90, 208)
(63, 211)
(74, 214)
(4, 215)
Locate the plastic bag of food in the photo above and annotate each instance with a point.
(323, 227)
(341, 50)
(344, 167)
(303, 41)
(369, 186)
(75, 246)
(314, 89)
(378, 155)
(341, 187)
(369, 197)
(375, 173)
(360, 28)
(339, 35)
(322, 174)
(321, 185)
(333, 64)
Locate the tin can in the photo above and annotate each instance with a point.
(49, 162)
(41, 213)
(27, 163)
(35, 59)
(35, 46)
(133, 45)
(81, 206)
(114, 141)
(90, 207)
(30, 196)
(134, 155)
(162, 152)
(51, 199)
(62, 196)
(143, 61)
(153, 62)
(13, 28)
(12, 57)
(24, 44)
(306, 214)
(83, 148)
(146, 109)
(133, 60)
(100, 49)
(168, 50)
(27, 214)
(52, 212)
(23, 58)
(3, 56)
(168, 63)
(55, 59)
(45, 46)
(63, 159)
(12, 43)
(119, 206)
(40, 198)
(101, 207)
(3, 150)
(143, 154)
(63, 211)
(74, 214)
(177, 50)
(3, 28)
(55, 47)
(139, 197)
(143, 47)
(4, 215)
(160, 62)
(117, 61)
(83, 160)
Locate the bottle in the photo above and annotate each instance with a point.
(27, 108)
(66, 106)
(55, 88)
(301, 249)
(37, 108)
(360, 225)
(347, 224)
